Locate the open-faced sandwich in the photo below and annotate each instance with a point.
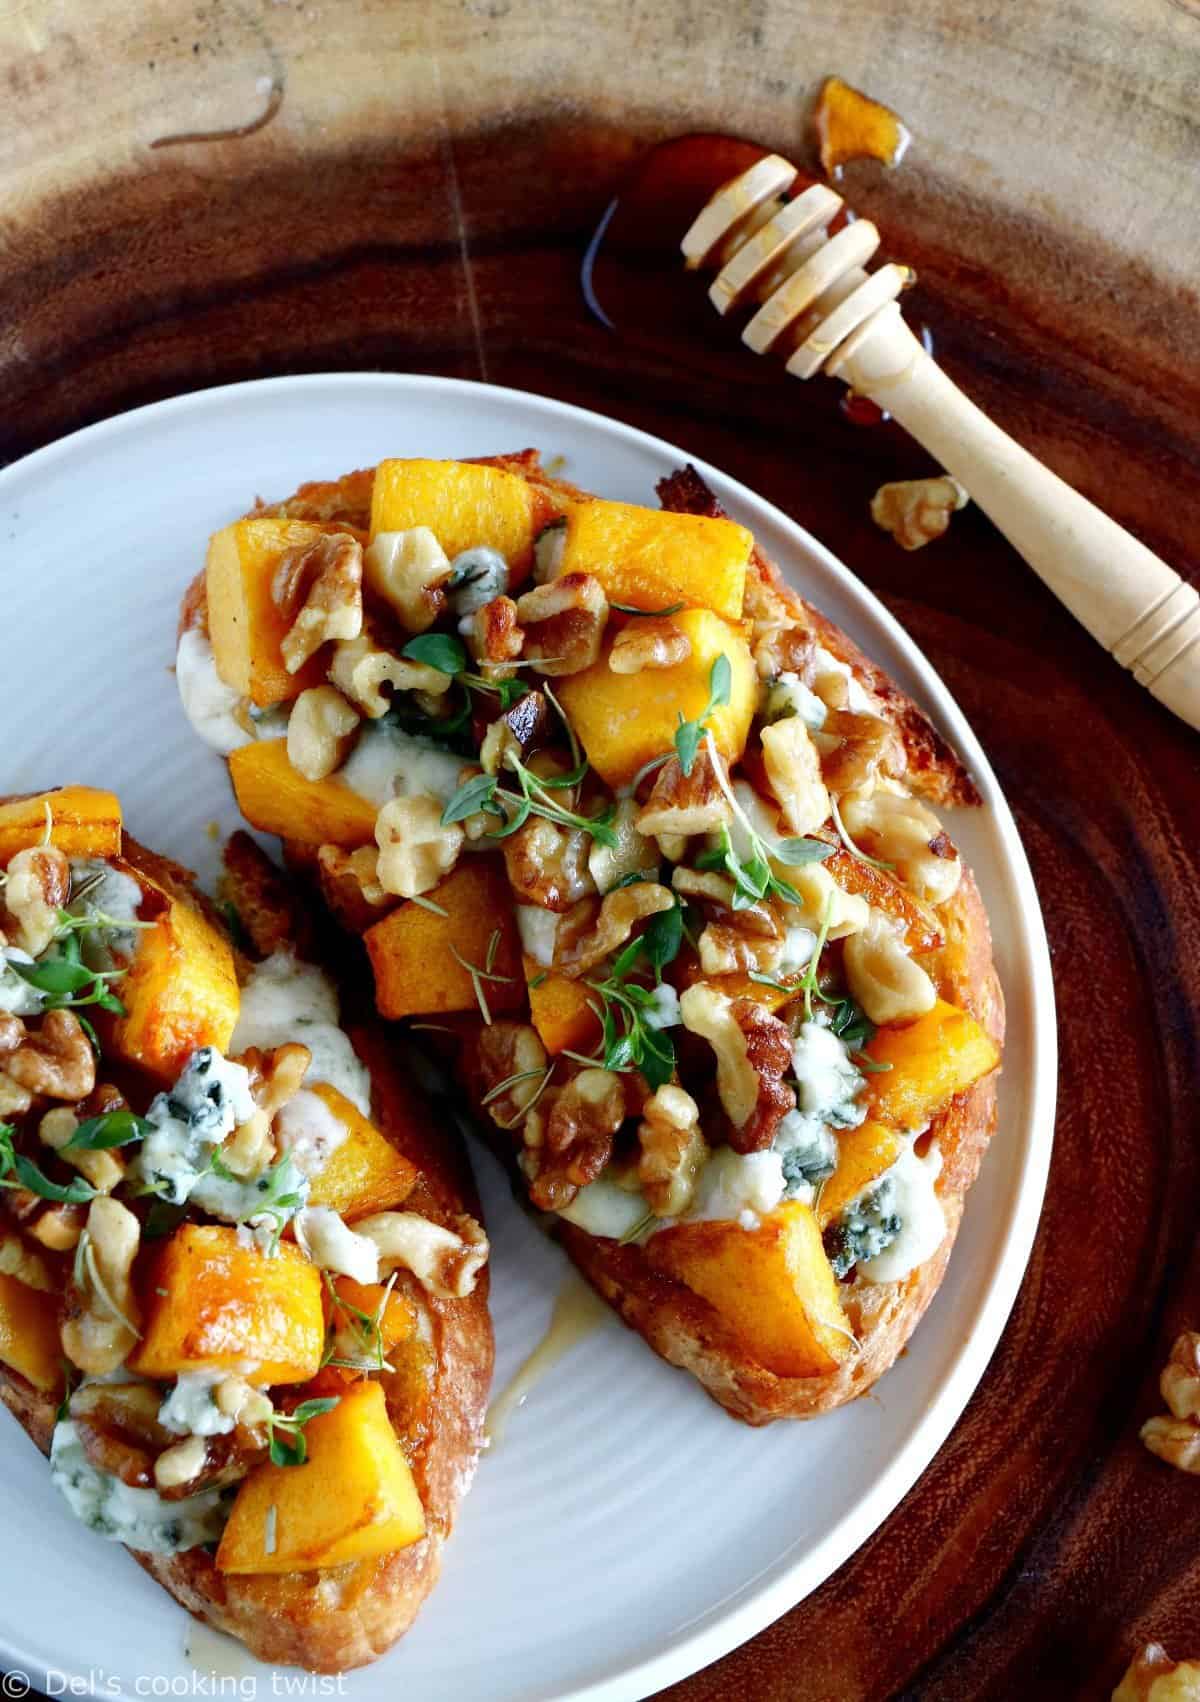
(652, 840)
(242, 1284)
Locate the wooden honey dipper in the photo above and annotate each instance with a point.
(812, 294)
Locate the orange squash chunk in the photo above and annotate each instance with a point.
(464, 505)
(353, 1498)
(180, 991)
(85, 822)
(772, 1285)
(650, 558)
(246, 625)
(560, 1010)
(412, 950)
(366, 1173)
(625, 720)
(863, 1156)
(276, 799)
(940, 1054)
(211, 1304)
(29, 1339)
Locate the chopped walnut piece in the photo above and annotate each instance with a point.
(569, 1136)
(794, 770)
(904, 832)
(856, 749)
(119, 1429)
(1175, 1440)
(24, 1263)
(882, 975)
(673, 1151)
(494, 638)
(408, 572)
(754, 1054)
(548, 865)
(350, 885)
(369, 674)
(916, 511)
(56, 1060)
(102, 1318)
(682, 803)
(416, 849)
(319, 590)
(620, 912)
(1180, 1381)
(446, 1262)
(15, 1100)
(643, 644)
(37, 884)
(726, 949)
(513, 1060)
(769, 1051)
(709, 1013)
(564, 622)
(320, 731)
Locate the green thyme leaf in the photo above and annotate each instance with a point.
(112, 1129)
(471, 797)
(631, 609)
(437, 650)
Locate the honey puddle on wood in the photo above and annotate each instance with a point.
(577, 1312)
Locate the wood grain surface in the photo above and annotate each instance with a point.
(413, 187)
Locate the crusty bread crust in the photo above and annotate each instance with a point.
(332, 1620)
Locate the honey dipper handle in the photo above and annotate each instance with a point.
(1138, 607)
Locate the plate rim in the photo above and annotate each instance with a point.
(779, 1587)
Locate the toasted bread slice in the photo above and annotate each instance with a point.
(321, 1619)
(954, 951)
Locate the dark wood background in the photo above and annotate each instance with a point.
(420, 197)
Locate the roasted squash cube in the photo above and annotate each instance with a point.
(652, 559)
(366, 1173)
(180, 991)
(562, 1010)
(773, 1286)
(275, 798)
(419, 956)
(29, 1339)
(626, 720)
(463, 504)
(863, 1156)
(84, 822)
(930, 1060)
(246, 625)
(212, 1304)
(353, 1498)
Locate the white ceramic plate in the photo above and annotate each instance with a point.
(625, 1532)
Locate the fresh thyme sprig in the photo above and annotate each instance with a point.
(630, 1039)
(17, 1171)
(479, 976)
(689, 733)
(291, 1447)
(514, 809)
(366, 1326)
(753, 878)
(441, 650)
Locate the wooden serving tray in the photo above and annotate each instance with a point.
(413, 187)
